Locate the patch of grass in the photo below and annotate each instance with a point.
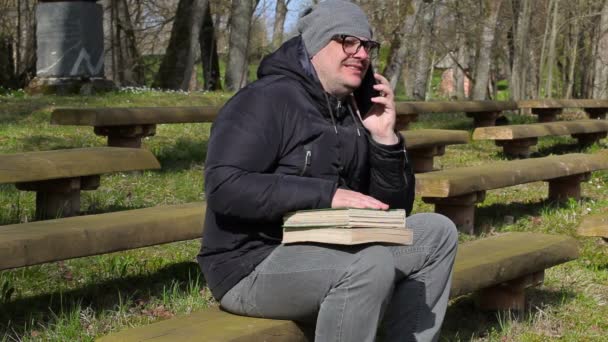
(84, 298)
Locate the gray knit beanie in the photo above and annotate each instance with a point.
(319, 23)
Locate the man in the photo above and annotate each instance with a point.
(311, 134)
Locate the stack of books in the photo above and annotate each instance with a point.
(347, 226)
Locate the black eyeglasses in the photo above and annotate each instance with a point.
(351, 45)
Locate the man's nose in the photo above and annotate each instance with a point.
(362, 53)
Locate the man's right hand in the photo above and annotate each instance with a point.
(352, 199)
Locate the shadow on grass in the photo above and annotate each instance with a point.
(43, 142)
(182, 154)
(494, 215)
(464, 321)
(100, 297)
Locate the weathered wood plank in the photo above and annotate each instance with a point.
(434, 137)
(510, 132)
(420, 107)
(594, 225)
(466, 180)
(479, 264)
(563, 103)
(38, 242)
(44, 165)
(132, 116)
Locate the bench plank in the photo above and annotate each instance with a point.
(594, 225)
(510, 132)
(563, 103)
(38, 242)
(466, 180)
(479, 264)
(420, 107)
(44, 165)
(433, 137)
(115, 116)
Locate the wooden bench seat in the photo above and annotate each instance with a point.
(456, 191)
(516, 140)
(32, 243)
(484, 113)
(594, 225)
(425, 144)
(125, 127)
(499, 268)
(58, 176)
(548, 109)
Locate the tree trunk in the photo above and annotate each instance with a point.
(238, 46)
(600, 81)
(573, 48)
(209, 57)
(520, 45)
(7, 63)
(484, 59)
(551, 56)
(126, 66)
(279, 22)
(400, 44)
(427, 11)
(178, 64)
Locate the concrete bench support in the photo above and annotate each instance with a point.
(460, 209)
(509, 295)
(597, 113)
(59, 197)
(424, 145)
(517, 147)
(126, 136)
(484, 119)
(562, 188)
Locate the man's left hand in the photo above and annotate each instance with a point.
(380, 120)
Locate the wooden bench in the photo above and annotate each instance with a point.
(425, 144)
(548, 109)
(455, 192)
(516, 140)
(498, 268)
(58, 176)
(125, 127)
(594, 225)
(32, 243)
(484, 113)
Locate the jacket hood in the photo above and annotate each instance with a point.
(291, 60)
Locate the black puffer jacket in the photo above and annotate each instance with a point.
(282, 144)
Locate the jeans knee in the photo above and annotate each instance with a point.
(375, 270)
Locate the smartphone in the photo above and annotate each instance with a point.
(366, 91)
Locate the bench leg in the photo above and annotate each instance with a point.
(546, 114)
(422, 158)
(59, 197)
(562, 188)
(460, 209)
(588, 139)
(596, 113)
(484, 119)
(126, 136)
(402, 121)
(510, 295)
(517, 148)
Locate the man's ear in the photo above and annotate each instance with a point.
(366, 91)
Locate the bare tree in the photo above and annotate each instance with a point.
(484, 58)
(209, 56)
(600, 83)
(127, 67)
(520, 45)
(178, 63)
(238, 50)
(427, 16)
(279, 22)
(551, 56)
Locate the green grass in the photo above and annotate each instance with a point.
(84, 298)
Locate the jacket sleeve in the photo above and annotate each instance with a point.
(244, 148)
(391, 176)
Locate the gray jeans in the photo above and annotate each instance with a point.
(349, 290)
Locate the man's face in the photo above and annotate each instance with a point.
(340, 73)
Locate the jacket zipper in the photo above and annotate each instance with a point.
(307, 160)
